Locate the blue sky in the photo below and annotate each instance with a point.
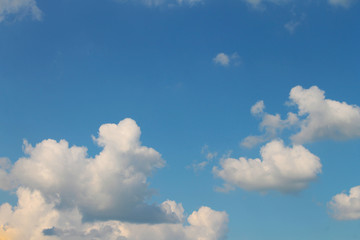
(187, 73)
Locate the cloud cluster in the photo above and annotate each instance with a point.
(317, 118)
(271, 125)
(36, 219)
(285, 169)
(288, 169)
(60, 187)
(346, 207)
(19, 8)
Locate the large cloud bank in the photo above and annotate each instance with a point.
(284, 169)
(346, 206)
(64, 194)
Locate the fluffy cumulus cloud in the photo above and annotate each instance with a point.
(284, 169)
(19, 9)
(317, 118)
(65, 194)
(346, 207)
(222, 59)
(114, 179)
(324, 118)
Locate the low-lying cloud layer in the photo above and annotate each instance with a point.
(60, 187)
(284, 169)
(34, 218)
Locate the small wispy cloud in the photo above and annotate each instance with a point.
(342, 3)
(209, 156)
(292, 25)
(295, 22)
(166, 3)
(19, 9)
(225, 60)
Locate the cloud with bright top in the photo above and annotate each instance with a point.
(346, 206)
(317, 118)
(64, 194)
(281, 168)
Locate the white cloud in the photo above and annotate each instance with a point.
(204, 224)
(28, 219)
(324, 118)
(5, 182)
(272, 125)
(169, 3)
(209, 156)
(222, 59)
(251, 141)
(317, 118)
(36, 219)
(60, 188)
(19, 8)
(341, 3)
(189, 2)
(281, 168)
(225, 60)
(258, 108)
(346, 207)
(112, 185)
(292, 25)
(259, 3)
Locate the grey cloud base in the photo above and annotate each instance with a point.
(36, 219)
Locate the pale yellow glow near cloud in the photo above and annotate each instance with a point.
(7, 233)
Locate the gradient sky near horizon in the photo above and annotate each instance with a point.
(180, 119)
